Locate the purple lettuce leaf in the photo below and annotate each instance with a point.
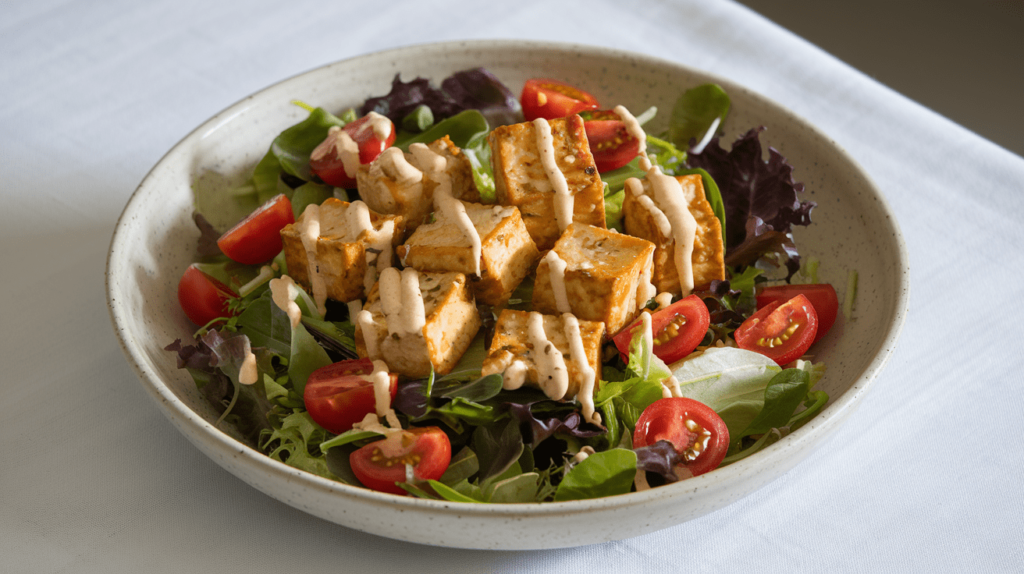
(660, 458)
(473, 89)
(404, 97)
(478, 89)
(761, 200)
(537, 429)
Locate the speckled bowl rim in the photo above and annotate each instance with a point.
(215, 440)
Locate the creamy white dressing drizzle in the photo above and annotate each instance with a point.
(427, 159)
(284, 291)
(552, 376)
(402, 301)
(344, 147)
(381, 379)
(378, 242)
(669, 386)
(405, 173)
(380, 125)
(556, 273)
(448, 209)
(546, 149)
(588, 377)
(248, 374)
(669, 196)
(514, 375)
(633, 128)
(663, 300)
(583, 454)
(309, 232)
(365, 321)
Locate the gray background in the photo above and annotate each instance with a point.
(963, 59)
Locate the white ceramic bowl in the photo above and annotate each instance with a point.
(853, 229)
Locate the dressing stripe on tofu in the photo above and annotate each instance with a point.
(401, 301)
(378, 257)
(449, 209)
(579, 356)
(552, 375)
(546, 150)
(669, 195)
(556, 273)
(309, 232)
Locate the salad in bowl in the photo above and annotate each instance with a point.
(559, 306)
(477, 285)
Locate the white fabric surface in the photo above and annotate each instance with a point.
(927, 476)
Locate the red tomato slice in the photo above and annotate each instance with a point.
(202, 297)
(551, 99)
(611, 144)
(379, 465)
(822, 297)
(780, 331)
(257, 238)
(697, 432)
(677, 329)
(329, 166)
(337, 396)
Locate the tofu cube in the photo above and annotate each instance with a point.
(606, 276)
(507, 253)
(520, 178)
(449, 322)
(388, 186)
(512, 343)
(347, 256)
(708, 258)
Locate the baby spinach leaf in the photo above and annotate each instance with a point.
(462, 466)
(465, 129)
(782, 396)
(497, 447)
(698, 112)
(309, 193)
(520, 488)
(479, 390)
(450, 494)
(601, 474)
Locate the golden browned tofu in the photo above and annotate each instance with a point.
(708, 259)
(606, 276)
(507, 253)
(512, 343)
(403, 183)
(520, 178)
(354, 244)
(417, 321)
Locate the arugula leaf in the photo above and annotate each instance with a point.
(601, 474)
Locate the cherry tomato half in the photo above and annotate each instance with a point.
(202, 297)
(257, 238)
(338, 396)
(697, 432)
(677, 329)
(379, 465)
(362, 137)
(781, 331)
(822, 297)
(611, 144)
(551, 99)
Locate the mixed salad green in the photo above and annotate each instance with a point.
(509, 445)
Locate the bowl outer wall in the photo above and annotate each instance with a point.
(152, 243)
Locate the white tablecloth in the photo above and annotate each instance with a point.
(928, 475)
